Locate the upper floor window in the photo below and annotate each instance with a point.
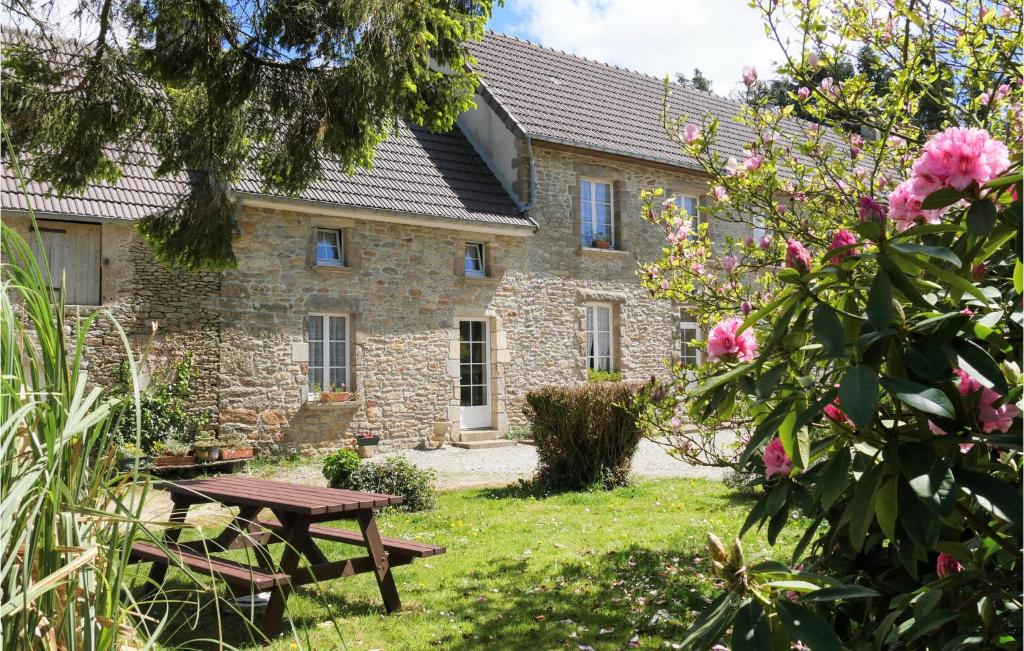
(690, 206)
(329, 247)
(599, 337)
(474, 265)
(72, 251)
(689, 354)
(597, 225)
(328, 337)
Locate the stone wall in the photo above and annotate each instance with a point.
(140, 293)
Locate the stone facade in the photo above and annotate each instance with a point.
(403, 293)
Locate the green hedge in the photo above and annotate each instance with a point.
(585, 436)
(391, 475)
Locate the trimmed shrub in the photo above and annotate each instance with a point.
(597, 375)
(339, 467)
(391, 476)
(585, 436)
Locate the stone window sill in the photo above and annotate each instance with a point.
(330, 268)
(348, 405)
(592, 251)
(479, 280)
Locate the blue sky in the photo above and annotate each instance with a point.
(657, 37)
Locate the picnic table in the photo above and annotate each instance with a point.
(298, 511)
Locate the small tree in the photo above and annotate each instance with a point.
(869, 336)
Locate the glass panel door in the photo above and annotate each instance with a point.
(474, 376)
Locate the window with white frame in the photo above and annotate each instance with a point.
(329, 251)
(597, 223)
(474, 264)
(328, 336)
(599, 337)
(690, 206)
(689, 353)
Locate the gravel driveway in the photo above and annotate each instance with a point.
(459, 468)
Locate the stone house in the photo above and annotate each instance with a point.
(440, 286)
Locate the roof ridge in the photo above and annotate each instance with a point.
(672, 85)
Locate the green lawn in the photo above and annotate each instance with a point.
(525, 573)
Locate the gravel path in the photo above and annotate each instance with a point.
(459, 468)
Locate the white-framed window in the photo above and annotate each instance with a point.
(328, 337)
(329, 250)
(760, 227)
(475, 263)
(599, 337)
(691, 206)
(72, 252)
(597, 221)
(689, 353)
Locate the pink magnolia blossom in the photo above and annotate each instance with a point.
(968, 384)
(803, 93)
(746, 308)
(829, 87)
(725, 344)
(768, 137)
(947, 565)
(859, 172)
(732, 166)
(676, 423)
(776, 461)
(842, 238)
(995, 418)
(957, 157)
(905, 208)
(728, 263)
(797, 257)
(780, 208)
(766, 241)
(753, 162)
(720, 193)
(749, 242)
(698, 268)
(813, 59)
(871, 211)
(749, 75)
(856, 144)
(691, 133)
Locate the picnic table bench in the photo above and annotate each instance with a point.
(297, 510)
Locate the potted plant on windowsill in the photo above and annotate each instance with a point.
(601, 241)
(366, 445)
(235, 447)
(207, 447)
(336, 394)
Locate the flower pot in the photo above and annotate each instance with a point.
(208, 454)
(335, 396)
(602, 244)
(366, 451)
(128, 464)
(174, 460)
(230, 454)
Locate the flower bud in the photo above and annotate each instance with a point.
(745, 308)
(717, 548)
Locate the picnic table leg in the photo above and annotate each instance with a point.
(179, 509)
(295, 534)
(382, 568)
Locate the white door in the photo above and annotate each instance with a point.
(474, 384)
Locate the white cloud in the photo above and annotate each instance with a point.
(657, 37)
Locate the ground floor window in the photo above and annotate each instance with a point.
(328, 336)
(689, 354)
(599, 337)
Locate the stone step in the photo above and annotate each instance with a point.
(478, 435)
(480, 445)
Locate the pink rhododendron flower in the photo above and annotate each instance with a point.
(938, 431)
(725, 344)
(797, 257)
(978, 272)
(804, 92)
(905, 208)
(728, 263)
(691, 133)
(995, 418)
(835, 414)
(968, 312)
(968, 384)
(749, 75)
(947, 565)
(720, 193)
(753, 162)
(776, 461)
(957, 157)
(842, 238)
(871, 211)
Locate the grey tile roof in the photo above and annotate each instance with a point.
(569, 99)
(415, 171)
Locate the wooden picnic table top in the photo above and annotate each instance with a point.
(278, 495)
